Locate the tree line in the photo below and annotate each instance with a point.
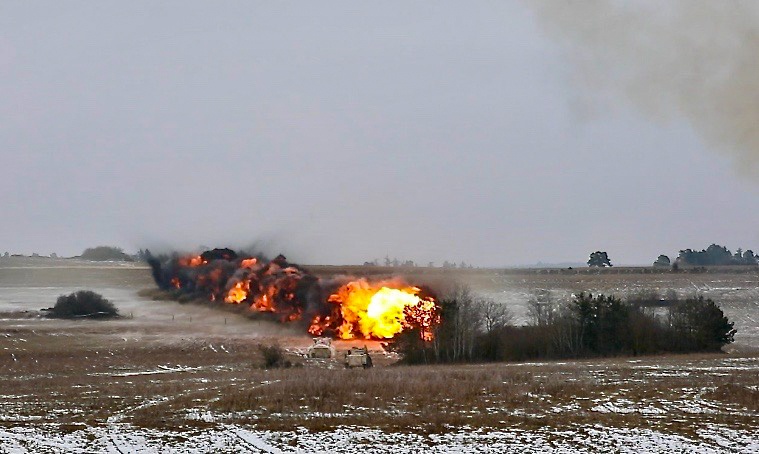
(395, 262)
(476, 330)
(716, 255)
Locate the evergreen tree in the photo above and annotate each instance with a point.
(662, 261)
(599, 259)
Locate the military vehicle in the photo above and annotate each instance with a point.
(358, 357)
(322, 348)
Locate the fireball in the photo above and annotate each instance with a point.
(379, 311)
(238, 293)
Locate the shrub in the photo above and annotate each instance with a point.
(83, 303)
(274, 356)
(700, 325)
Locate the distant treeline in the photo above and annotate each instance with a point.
(716, 255)
(98, 254)
(113, 253)
(106, 253)
(395, 262)
(587, 326)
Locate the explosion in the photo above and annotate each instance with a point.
(344, 308)
(377, 311)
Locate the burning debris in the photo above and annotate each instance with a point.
(346, 308)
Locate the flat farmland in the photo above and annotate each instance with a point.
(173, 377)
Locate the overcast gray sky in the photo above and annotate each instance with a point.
(340, 132)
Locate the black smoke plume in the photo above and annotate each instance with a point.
(284, 289)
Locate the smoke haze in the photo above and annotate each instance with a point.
(341, 132)
(692, 58)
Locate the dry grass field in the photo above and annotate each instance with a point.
(188, 378)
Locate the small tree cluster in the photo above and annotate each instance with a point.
(699, 324)
(142, 255)
(462, 264)
(83, 303)
(599, 259)
(466, 317)
(588, 326)
(662, 261)
(716, 255)
(392, 262)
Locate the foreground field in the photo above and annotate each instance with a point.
(85, 389)
(187, 378)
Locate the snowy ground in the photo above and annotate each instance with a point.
(181, 378)
(125, 439)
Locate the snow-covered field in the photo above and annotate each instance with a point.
(228, 439)
(183, 378)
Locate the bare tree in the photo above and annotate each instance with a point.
(492, 315)
(456, 338)
(541, 309)
(566, 335)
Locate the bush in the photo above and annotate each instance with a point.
(83, 303)
(700, 325)
(274, 356)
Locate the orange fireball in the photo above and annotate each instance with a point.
(379, 311)
(192, 261)
(238, 293)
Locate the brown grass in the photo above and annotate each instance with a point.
(736, 394)
(84, 377)
(76, 375)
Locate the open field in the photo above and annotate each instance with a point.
(187, 378)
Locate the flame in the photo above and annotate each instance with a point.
(192, 261)
(267, 287)
(358, 309)
(249, 263)
(378, 311)
(318, 324)
(238, 293)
